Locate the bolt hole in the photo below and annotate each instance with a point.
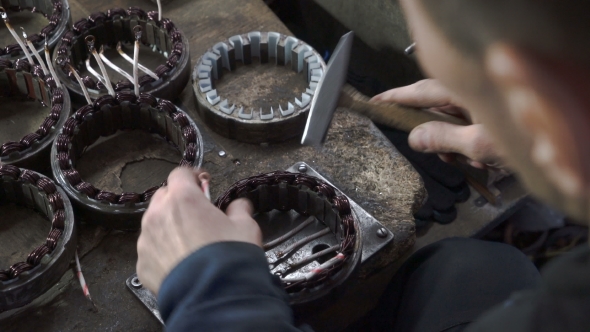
(319, 247)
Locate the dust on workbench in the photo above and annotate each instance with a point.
(27, 230)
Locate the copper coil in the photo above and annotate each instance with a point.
(11, 147)
(325, 190)
(70, 126)
(342, 204)
(72, 176)
(181, 119)
(68, 36)
(305, 181)
(136, 11)
(18, 268)
(178, 48)
(50, 81)
(126, 96)
(105, 100)
(107, 196)
(63, 143)
(97, 17)
(167, 24)
(46, 185)
(190, 153)
(82, 25)
(111, 13)
(9, 170)
(172, 60)
(167, 106)
(13, 49)
(185, 163)
(161, 70)
(23, 64)
(52, 238)
(54, 19)
(56, 201)
(123, 85)
(57, 96)
(87, 189)
(46, 126)
(5, 63)
(59, 219)
(56, 111)
(63, 159)
(147, 195)
(82, 111)
(190, 135)
(30, 139)
(29, 177)
(129, 198)
(145, 79)
(35, 38)
(46, 31)
(146, 98)
(153, 15)
(35, 257)
(38, 71)
(89, 82)
(100, 86)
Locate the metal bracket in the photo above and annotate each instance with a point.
(374, 238)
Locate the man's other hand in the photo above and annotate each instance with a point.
(470, 144)
(180, 220)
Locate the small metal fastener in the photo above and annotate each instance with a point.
(222, 154)
(382, 232)
(410, 49)
(302, 168)
(136, 283)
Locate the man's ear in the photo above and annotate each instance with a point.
(548, 99)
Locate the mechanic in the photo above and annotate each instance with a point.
(522, 70)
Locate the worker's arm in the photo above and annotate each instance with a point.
(224, 287)
(207, 266)
(472, 142)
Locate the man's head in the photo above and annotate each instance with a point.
(523, 68)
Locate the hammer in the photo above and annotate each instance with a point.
(331, 92)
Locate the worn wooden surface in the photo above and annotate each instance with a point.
(356, 158)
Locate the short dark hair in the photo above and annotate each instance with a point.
(556, 27)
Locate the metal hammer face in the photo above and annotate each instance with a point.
(325, 100)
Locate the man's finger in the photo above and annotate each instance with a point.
(240, 209)
(182, 178)
(425, 93)
(441, 137)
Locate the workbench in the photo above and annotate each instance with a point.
(356, 158)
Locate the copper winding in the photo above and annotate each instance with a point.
(47, 188)
(55, 96)
(44, 34)
(82, 26)
(101, 109)
(344, 227)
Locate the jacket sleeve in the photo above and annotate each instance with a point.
(225, 286)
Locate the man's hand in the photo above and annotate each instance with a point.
(472, 142)
(180, 220)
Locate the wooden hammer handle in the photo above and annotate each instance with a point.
(392, 115)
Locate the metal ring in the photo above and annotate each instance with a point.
(278, 124)
(116, 25)
(59, 16)
(308, 196)
(104, 118)
(24, 281)
(32, 151)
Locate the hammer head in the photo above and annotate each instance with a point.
(327, 94)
